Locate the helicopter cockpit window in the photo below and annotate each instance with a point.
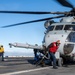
(69, 27)
(59, 27)
(50, 28)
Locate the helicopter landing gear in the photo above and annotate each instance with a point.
(60, 62)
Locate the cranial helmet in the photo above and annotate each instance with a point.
(58, 41)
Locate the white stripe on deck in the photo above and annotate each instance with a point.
(25, 71)
(3, 66)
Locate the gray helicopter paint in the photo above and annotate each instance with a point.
(68, 19)
(65, 21)
(62, 35)
(53, 36)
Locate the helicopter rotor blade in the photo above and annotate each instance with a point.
(33, 12)
(29, 12)
(31, 21)
(24, 12)
(65, 3)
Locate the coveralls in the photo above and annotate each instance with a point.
(2, 52)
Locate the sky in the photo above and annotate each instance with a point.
(32, 33)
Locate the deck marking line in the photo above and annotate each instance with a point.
(25, 71)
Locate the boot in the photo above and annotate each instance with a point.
(55, 67)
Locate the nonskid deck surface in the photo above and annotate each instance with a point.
(12, 64)
(25, 66)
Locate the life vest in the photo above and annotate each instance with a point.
(53, 47)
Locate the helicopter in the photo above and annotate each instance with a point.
(63, 30)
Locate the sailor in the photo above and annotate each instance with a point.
(52, 50)
(35, 54)
(2, 52)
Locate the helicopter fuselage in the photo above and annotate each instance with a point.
(63, 31)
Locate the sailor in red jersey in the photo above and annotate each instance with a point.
(52, 50)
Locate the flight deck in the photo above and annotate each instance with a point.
(25, 66)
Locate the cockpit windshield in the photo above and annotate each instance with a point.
(50, 28)
(59, 27)
(69, 27)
